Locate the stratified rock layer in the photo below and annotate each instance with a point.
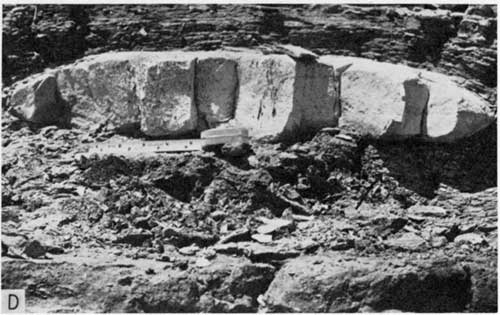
(336, 283)
(176, 93)
(386, 100)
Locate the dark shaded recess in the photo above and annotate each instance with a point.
(485, 291)
(183, 238)
(178, 185)
(442, 290)
(240, 162)
(436, 32)
(469, 165)
(98, 172)
(271, 21)
(335, 37)
(185, 181)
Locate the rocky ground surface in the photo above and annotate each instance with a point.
(333, 223)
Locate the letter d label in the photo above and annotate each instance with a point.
(13, 301)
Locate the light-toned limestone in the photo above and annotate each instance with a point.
(216, 87)
(383, 99)
(37, 100)
(166, 95)
(177, 92)
(101, 89)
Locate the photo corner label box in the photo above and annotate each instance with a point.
(13, 301)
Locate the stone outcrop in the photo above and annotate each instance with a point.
(177, 92)
(472, 53)
(452, 39)
(385, 100)
(339, 283)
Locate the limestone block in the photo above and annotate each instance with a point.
(216, 86)
(167, 96)
(101, 89)
(387, 100)
(37, 100)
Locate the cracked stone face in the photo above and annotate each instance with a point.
(100, 90)
(167, 105)
(178, 93)
(387, 100)
(216, 88)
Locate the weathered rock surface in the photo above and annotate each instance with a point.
(101, 88)
(128, 287)
(38, 101)
(335, 283)
(266, 95)
(279, 94)
(154, 90)
(472, 53)
(90, 214)
(216, 89)
(167, 97)
(452, 39)
(164, 92)
(386, 100)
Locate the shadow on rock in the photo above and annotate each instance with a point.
(469, 165)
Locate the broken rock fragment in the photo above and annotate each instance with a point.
(34, 249)
(262, 238)
(406, 242)
(38, 101)
(472, 238)
(427, 211)
(273, 225)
